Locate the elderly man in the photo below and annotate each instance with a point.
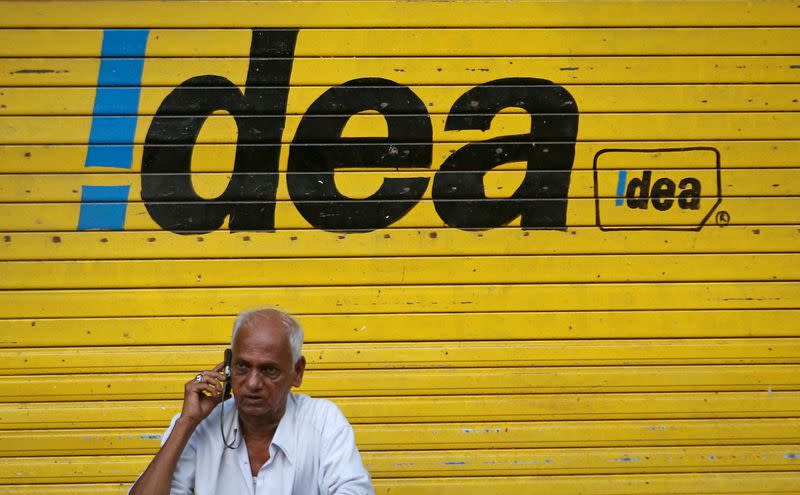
(265, 440)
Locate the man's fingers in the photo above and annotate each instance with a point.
(208, 388)
(195, 386)
(198, 387)
(212, 377)
(216, 397)
(213, 374)
(219, 366)
(212, 390)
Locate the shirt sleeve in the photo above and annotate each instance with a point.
(342, 470)
(183, 477)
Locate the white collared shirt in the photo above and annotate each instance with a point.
(312, 452)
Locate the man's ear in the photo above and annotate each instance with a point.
(299, 368)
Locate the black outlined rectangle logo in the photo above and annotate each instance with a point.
(656, 189)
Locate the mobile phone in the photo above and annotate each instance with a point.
(226, 370)
(226, 394)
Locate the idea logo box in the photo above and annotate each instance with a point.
(656, 189)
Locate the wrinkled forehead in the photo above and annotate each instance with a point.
(266, 332)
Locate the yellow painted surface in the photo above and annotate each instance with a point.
(428, 13)
(64, 188)
(398, 271)
(421, 42)
(362, 328)
(394, 299)
(642, 344)
(397, 242)
(367, 383)
(751, 211)
(594, 127)
(53, 158)
(171, 71)
(447, 354)
(631, 460)
(747, 483)
(439, 99)
(425, 409)
(421, 436)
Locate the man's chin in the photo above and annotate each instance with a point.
(254, 407)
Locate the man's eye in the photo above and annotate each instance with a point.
(271, 372)
(240, 367)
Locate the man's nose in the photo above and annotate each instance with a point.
(253, 380)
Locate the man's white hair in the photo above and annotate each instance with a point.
(293, 328)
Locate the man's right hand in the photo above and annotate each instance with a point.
(200, 397)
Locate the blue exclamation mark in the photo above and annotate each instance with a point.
(116, 108)
(621, 181)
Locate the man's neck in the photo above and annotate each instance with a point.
(258, 428)
(258, 434)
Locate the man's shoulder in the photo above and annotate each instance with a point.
(319, 417)
(313, 410)
(306, 402)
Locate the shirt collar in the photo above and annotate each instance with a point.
(284, 437)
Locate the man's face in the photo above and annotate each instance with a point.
(262, 372)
